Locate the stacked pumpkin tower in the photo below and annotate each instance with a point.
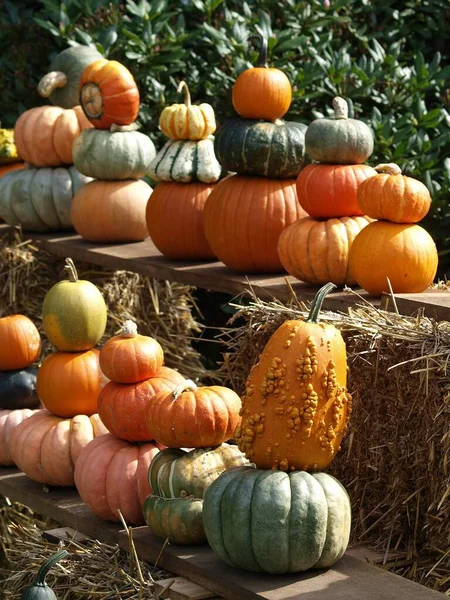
(111, 208)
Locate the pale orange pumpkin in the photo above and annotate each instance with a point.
(9, 420)
(20, 342)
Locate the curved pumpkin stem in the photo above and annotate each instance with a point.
(129, 329)
(71, 269)
(51, 81)
(40, 578)
(340, 107)
(262, 58)
(187, 93)
(119, 128)
(187, 385)
(316, 305)
(389, 168)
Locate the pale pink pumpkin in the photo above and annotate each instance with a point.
(9, 420)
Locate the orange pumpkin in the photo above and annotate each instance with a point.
(20, 342)
(328, 191)
(244, 217)
(44, 135)
(317, 251)
(46, 447)
(68, 383)
(130, 357)
(404, 253)
(122, 406)
(196, 417)
(111, 211)
(185, 238)
(109, 94)
(262, 92)
(391, 196)
(9, 420)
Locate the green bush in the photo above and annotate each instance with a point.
(389, 58)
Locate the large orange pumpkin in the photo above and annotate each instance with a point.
(20, 342)
(44, 135)
(69, 383)
(109, 94)
(317, 251)
(182, 206)
(122, 407)
(404, 253)
(244, 217)
(327, 191)
(296, 407)
(46, 447)
(9, 420)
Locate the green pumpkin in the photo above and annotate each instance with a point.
(184, 161)
(339, 140)
(178, 519)
(18, 389)
(121, 153)
(61, 84)
(39, 590)
(277, 522)
(274, 150)
(39, 199)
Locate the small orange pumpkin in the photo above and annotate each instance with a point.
(130, 357)
(20, 342)
(109, 94)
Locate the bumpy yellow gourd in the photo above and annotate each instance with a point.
(8, 150)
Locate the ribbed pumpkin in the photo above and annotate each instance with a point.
(40, 199)
(109, 94)
(9, 420)
(184, 161)
(46, 447)
(8, 149)
(277, 522)
(339, 140)
(296, 407)
(194, 417)
(112, 475)
(74, 313)
(404, 253)
(111, 211)
(44, 135)
(182, 207)
(391, 196)
(18, 389)
(261, 148)
(120, 153)
(262, 92)
(317, 251)
(20, 344)
(244, 217)
(178, 520)
(328, 191)
(61, 84)
(69, 383)
(122, 407)
(130, 357)
(187, 121)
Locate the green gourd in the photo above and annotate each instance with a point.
(39, 590)
(177, 519)
(18, 389)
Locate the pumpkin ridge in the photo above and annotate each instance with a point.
(308, 248)
(40, 466)
(257, 481)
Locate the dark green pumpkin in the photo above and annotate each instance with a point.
(18, 389)
(178, 519)
(274, 150)
(39, 590)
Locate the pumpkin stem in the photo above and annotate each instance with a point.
(187, 93)
(40, 578)
(51, 81)
(389, 168)
(115, 128)
(340, 107)
(71, 269)
(129, 329)
(262, 58)
(316, 305)
(184, 387)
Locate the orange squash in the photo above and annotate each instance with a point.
(20, 342)
(9, 420)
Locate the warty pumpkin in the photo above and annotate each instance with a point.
(296, 408)
(244, 217)
(122, 407)
(187, 121)
(74, 313)
(262, 92)
(182, 206)
(339, 140)
(8, 149)
(329, 191)
(403, 253)
(111, 211)
(9, 420)
(20, 342)
(18, 389)
(391, 196)
(130, 357)
(277, 522)
(109, 94)
(46, 447)
(44, 135)
(318, 251)
(112, 475)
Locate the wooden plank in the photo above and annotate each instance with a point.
(63, 534)
(349, 579)
(179, 588)
(432, 303)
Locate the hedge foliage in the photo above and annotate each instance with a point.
(391, 58)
